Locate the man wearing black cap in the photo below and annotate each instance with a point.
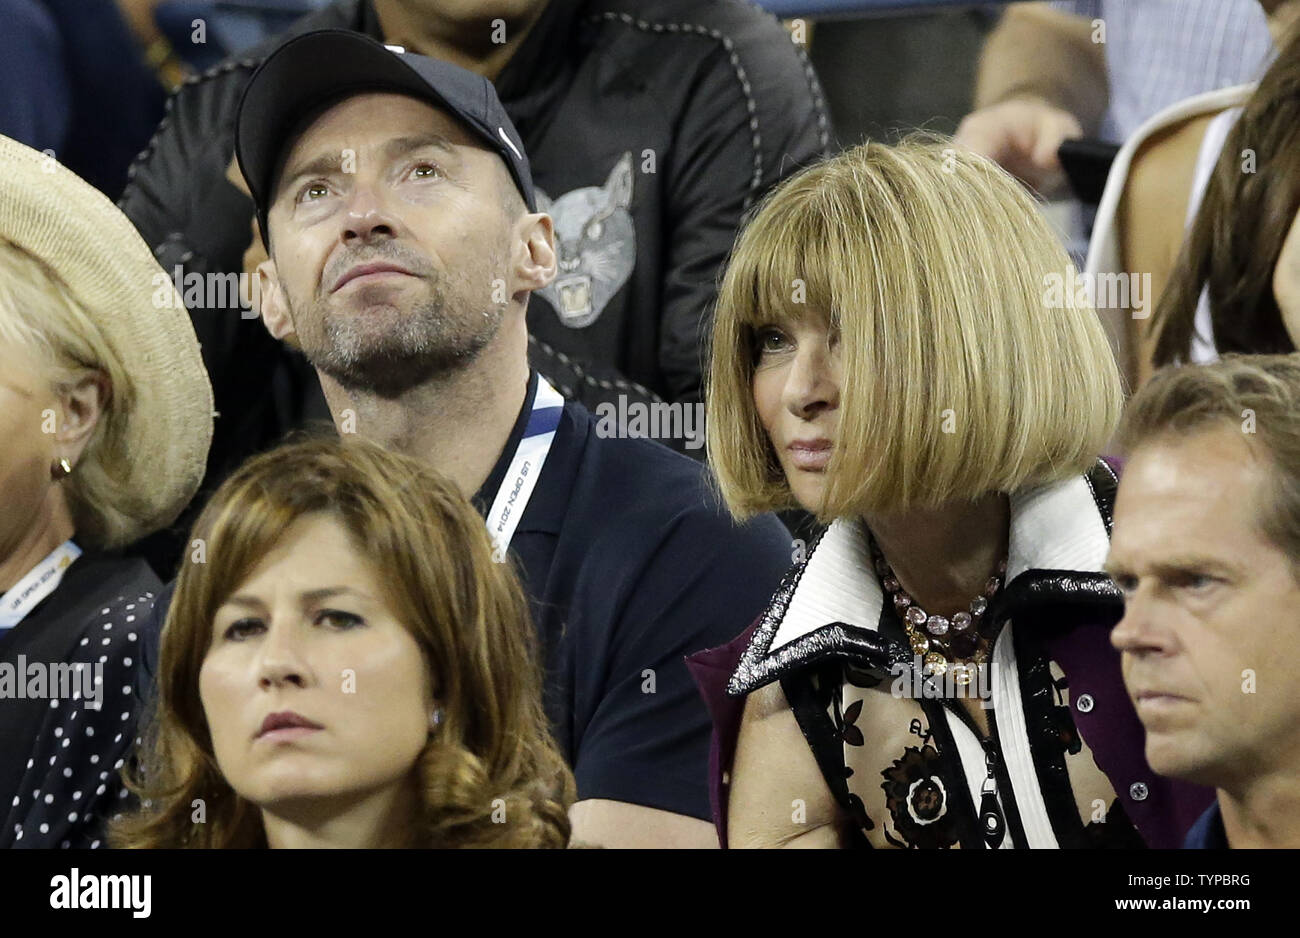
(400, 217)
(652, 125)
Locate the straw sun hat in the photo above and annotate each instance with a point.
(55, 216)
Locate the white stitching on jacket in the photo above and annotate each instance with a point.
(756, 181)
(213, 72)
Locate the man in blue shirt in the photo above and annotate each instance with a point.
(1206, 547)
(404, 242)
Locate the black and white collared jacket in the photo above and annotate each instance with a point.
(1062, 763)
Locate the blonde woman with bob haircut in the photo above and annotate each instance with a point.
(889, 353)
(345, 665)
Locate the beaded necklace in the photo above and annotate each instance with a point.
(961, 643)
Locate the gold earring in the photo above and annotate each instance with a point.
(60, 469)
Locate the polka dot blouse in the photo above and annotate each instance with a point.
(72, 783)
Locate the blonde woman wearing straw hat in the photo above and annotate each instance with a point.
(105, 420)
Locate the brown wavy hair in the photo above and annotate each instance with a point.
(1237, 237)
(493, 748)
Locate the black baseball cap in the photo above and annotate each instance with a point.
(316, 69)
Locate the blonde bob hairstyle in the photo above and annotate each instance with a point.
(39, 315)
(961, 375)
(468, 615)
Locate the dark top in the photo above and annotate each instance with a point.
(1064, 608)
(651, 126)
(1207, 833)
(59, 776)
(76, 83)
(630, 564)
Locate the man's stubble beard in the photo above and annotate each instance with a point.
(386, 350)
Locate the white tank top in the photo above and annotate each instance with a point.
(1104, 254)
(1216, 133)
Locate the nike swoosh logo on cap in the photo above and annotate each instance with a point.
(514, 149)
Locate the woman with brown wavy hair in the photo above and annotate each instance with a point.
(344, 665)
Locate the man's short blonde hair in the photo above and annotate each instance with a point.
(961, 374)
(1257, 396)
(39, 315)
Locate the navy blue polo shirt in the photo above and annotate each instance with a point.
(630, 563)
(1207, 833)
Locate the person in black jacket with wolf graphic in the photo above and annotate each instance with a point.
(651, 127)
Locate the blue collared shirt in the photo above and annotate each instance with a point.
(1207, 833)
(631, 563)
